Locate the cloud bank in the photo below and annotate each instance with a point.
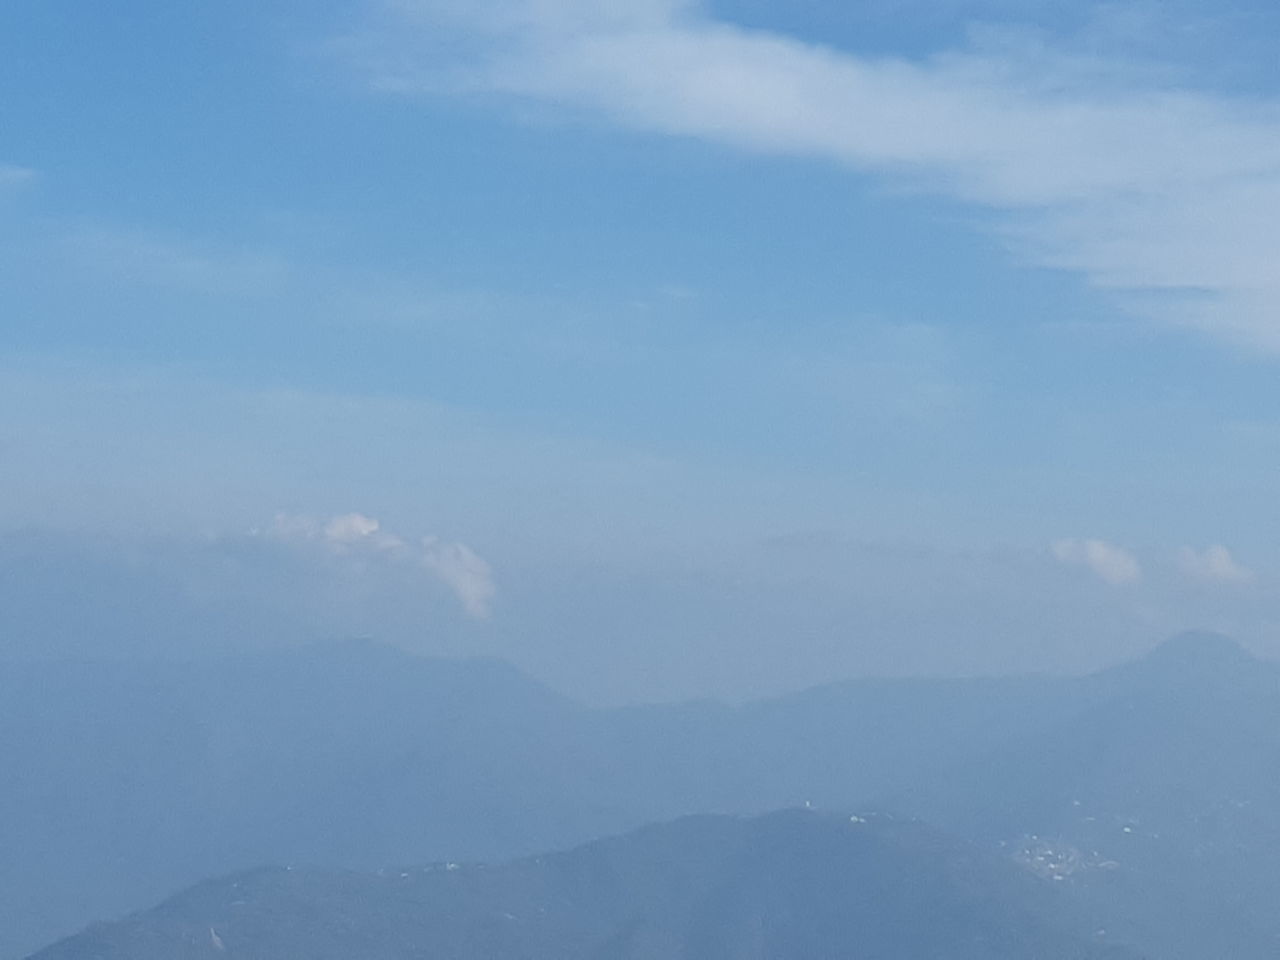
(455, 565)
(1164, 195)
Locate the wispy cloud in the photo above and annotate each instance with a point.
(1213, 565)
(466, 573)
(14, 176)
(1142, 187)
(1110, 563)
(157, 259)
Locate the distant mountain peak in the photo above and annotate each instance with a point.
(1197, 660)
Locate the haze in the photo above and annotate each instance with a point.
(676, 349)
(639, 479)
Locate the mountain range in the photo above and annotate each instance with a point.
(1145, 795)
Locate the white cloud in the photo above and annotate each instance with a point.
(1140, 186)
(350, 528)
(1108, 562)
(355, 529)
(1214, 565)
(466, 573)
(456, 565)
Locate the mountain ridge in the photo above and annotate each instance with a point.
(794, 885)
(128, 782)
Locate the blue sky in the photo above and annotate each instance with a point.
(676, 348)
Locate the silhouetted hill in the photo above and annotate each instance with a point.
(1162, 794)
(125, 782)
(793, 886)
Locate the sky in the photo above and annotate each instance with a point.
(664, 348)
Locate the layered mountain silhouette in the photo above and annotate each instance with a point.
(791, 886)
(1151, 788)
(1162, 793)
(127, 781)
